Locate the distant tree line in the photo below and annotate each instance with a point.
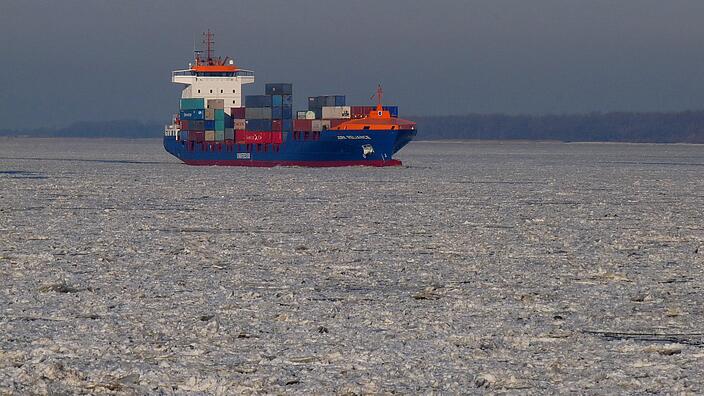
(98, 129)
(682, 127)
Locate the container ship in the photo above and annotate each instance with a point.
(215, 127)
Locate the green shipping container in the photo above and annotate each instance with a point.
(219, 115)
(219, 136)
(192, 104)
(220, 125)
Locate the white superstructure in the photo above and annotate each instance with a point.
(226, 85)
(213, 78)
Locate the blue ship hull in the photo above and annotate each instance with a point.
(330, 148)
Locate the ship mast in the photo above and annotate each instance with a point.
(379, 95)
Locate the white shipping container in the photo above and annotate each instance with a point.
(239, 124)
(310, 115)
(336, 112)
(317, 125)
(301, 115)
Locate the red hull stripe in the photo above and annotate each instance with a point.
(316, 164)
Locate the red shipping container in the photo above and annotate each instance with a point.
(196, 136)
(240, 136)
(257, 137)
(184, 125)
(277, 137)
(237, 113)
(360, 111)
(335, 123)
(303, 125)
(276, 125)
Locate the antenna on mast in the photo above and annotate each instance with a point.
(209, 41)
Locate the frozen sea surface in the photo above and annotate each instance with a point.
(476, 267)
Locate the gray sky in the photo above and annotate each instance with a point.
(65, 61)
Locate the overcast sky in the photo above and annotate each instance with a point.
(65, 61)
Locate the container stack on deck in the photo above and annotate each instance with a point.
(266, 119)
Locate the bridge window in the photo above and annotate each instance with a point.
(233, 91)
(199, 91)
(221, 91)
(211, 91)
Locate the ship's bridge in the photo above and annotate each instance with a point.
(214, 82)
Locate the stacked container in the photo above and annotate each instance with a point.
(271, 112)
(316, 103)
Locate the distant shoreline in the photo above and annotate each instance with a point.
(624, 127)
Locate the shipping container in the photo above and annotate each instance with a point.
(220, 135)
(229, 134)
(219, 126)
(277, 100)
(184, 124)
(340, 100)
(210, 114)
(198, 114)
(301, 115)
(196, 136)
(260, 137)
(287, 112)
(336, 123)
(209, 136)
(287, 99)
(277, 125)
(239, 124)
(303, 125)
(196, 125)
(216, 103)
(258, 113)
(257, 101)
(183, 135)
(310, 115)
(325, 124)
(192, 104)
(209, 125)
(276, 112)
(336, 112)
(240, 136)
(219, 115)
(277, 137)
(278, 89)
(258, 125)
(238, 113)
(316, 125)
(287, 126)
(229, 123)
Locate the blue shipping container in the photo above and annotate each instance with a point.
(287, 112)
(209, 125)
(287, 126)
(183, 135)
(277, 100)
(257, 101)
(340, 100)
(277, 112)
(393, 110)
(229, 123)
(191, 114)
(258, 125)
(287, 99)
